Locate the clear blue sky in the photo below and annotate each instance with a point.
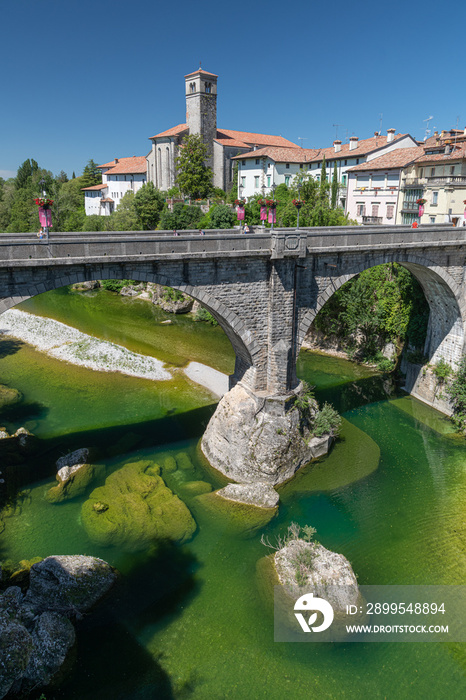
(83, 79)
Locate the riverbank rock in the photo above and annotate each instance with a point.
(36, 634)
(141, 510)
(85, 286)
(80, 456)
(175, 306)
(251, 439)
(9, 396)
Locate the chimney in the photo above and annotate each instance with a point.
(353, 142)
(337, 146)
(116, 161)
(390, 135)
(464, 132)
(447, 149)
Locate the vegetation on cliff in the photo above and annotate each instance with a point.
(380, 305)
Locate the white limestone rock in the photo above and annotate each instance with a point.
(260, 494)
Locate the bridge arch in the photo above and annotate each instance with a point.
(447, 319)
(242, 338)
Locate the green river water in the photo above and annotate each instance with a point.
(190, 622)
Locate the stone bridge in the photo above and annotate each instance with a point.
(264, 288)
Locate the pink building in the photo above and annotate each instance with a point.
(373, 186)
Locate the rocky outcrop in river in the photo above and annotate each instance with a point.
(250, 439)
(36, 632)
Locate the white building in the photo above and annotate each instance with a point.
(120, 176)
(201, 118)
(281, 165)
(373, 186)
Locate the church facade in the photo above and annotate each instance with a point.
(201, 118)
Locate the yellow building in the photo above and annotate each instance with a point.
(439, 177)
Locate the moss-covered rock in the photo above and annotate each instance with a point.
(183, 460)
(169, 465)
(232, 516)
(73, 481)
(141, 510)
(9, 396)
(196, 488)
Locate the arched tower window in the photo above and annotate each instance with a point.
(208, 88)
(192, 87)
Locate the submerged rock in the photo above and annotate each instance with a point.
(80, 456)
(142, 510)
(36, 634)
(9, 396)
(233, 516)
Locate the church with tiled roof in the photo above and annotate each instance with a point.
(201, 118)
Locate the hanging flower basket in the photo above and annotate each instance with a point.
(421, 201)
(271, 203)
(298, 203)
(240, 202)
(44, 202)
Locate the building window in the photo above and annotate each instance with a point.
(192, 87)
(256, 181)
(343, 180)
(208, 88)
(257, 161)
(287, 166)
(432, 172)
(357, 161)
(375, 209)
(243, 181)
(243, 162)
(452, 170)
(435, 198)
(390, 211)
(421, 170)
(432, 219)
(287, 180)
(360, 209)
(268, 180)
(346, 162)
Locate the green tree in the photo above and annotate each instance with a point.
(148, 203)
(334, 186)
(91, 175)
(193, 177)
(219, 216)
(124, 218)
(182, 217)
(25, 173)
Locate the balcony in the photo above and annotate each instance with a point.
(372, 220)
(447, 180)
(417, 182)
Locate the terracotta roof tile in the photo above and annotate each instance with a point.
(252, 139)
(281, 155)
(95, 187)
(130, 166)
(456, 154)
(174, 131)
(203, 72)
(106, 199)
(363, 147)
(395, 159)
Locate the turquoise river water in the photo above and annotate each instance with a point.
(190, 622)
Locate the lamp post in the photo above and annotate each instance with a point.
(274, 208)
(45, 216)
(299, 206)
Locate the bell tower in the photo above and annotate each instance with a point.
(201, 107)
